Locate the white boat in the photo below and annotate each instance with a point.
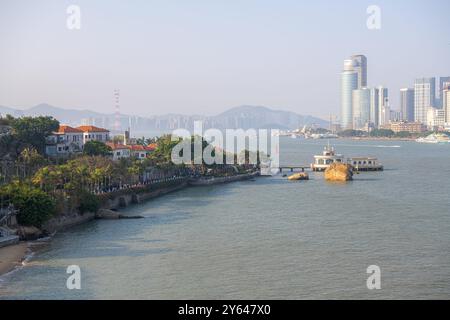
(435, 138)
(328, 156)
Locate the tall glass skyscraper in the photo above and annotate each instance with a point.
(383, 106)
(360, 66)
(349, 82)
(407, 104)
(374, 107)
(361, 108)
(424, 94)
(442, 85)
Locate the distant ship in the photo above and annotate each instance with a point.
(435, 138)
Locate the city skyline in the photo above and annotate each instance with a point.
(203, 58)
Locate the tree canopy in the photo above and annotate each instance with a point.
(96, 148)
(34, 130)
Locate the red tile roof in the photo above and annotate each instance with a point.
(138, 147)
(92, 129)
(68, 129)
(116, 146)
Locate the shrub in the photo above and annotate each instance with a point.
(34, 205)
(88, 202)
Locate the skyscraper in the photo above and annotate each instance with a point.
(360, 66)
(424, 94)
(383, 106)
(361, 108)
(446, 102)
(374, 107)
(442, 85)
(407, 104)
(349, 82)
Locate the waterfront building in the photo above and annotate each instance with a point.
(140, 151)
(424, 94)
(349, 82)
(92, 133)
(403, 126)
(435, 118)
(361, 108)
(407, 104)
(119, 150)
(374, 107)
(64, 141)
(360, 66)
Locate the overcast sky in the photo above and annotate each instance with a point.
(203, 57)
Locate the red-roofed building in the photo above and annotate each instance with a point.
(119, 150)
(140, 151)
(92, 133)
(65, 140)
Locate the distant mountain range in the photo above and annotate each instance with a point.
(244, 117)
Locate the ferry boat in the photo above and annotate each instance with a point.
(365, 164)
(435, 138)
(328, 156)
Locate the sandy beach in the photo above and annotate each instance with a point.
(12, 256)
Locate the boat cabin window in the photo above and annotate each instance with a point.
(338, 160)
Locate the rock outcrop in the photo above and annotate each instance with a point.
(29, 233)
(339, 172)
(299, 176)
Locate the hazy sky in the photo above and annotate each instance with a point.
(192, 56)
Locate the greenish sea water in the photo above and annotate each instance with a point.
(269, 238)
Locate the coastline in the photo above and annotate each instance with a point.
(12, 256)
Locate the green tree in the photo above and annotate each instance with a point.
(96, 148)
(34, 130)
(34, 205)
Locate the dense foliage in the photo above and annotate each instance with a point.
(96, 148)
(34, 130)
(33, 204)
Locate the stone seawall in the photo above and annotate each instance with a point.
(220, 180)
(124, 198)
(116, 202)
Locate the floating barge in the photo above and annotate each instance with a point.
(365, 164)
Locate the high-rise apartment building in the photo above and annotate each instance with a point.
(383, 106)
(360, 66)
(361, 108)
(446, 102)
(407, 104)
(349, 82)
(424, 94)
(443, 83)
(374, 107)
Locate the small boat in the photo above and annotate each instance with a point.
(299, 176)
